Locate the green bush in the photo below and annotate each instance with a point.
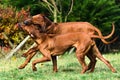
(9, 18)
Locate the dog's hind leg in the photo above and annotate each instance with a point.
(29, 57)
(92, 57)
(81, 59)
(54, 61)
(80, 54)
(99, 56)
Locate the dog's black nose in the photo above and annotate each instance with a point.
(26, 22)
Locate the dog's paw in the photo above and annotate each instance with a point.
(21, 67)
(55, 70)
(34, 69)
(114, 71)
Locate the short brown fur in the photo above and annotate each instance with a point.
(54, 45)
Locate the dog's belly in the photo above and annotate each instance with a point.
(57, 54)
(60, 51)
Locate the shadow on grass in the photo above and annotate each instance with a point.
(68, 70)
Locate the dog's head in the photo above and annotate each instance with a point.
(37, 19)
(40, 20)
(32, 30)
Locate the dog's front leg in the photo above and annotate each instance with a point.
(54, 61)
(34, 49)
(46, 56)
(29, 57)
(43, 59)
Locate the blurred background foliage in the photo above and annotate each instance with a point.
(100, 13)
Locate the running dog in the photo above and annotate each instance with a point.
(52, 45)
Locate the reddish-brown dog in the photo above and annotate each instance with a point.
(52, 45)
(50, 27)
(35, 31)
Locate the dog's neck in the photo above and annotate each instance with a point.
(52, 28)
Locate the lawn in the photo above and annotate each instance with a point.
(69, 69)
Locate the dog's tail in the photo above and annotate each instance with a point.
(103, 39)
(106, 37)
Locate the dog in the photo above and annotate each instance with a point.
(61, 28)
(52, 45)
(36, 31)
(50, 27)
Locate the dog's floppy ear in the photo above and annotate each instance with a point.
(47, 22)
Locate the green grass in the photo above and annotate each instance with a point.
(69, 69)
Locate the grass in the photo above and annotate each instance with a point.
(69, 69)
